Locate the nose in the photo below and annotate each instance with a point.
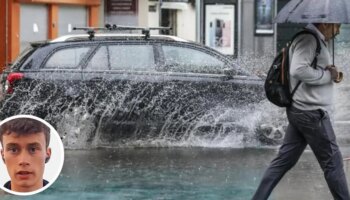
(337, 29)
(24, 159)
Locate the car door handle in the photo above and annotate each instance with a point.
(226, 78)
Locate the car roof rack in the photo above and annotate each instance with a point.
(113, 27)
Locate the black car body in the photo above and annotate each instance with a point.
(131, 88)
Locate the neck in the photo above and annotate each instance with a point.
(19, 188)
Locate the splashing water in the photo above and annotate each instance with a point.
(134, 113)
(164, 115)
(218, 127)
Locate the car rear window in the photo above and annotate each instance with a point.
(185, 59)
(68, 58)
(123, 57)
(22, 57)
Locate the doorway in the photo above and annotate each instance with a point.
(169, 19)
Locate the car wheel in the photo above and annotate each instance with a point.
(271, 135)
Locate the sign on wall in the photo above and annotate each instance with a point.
(219, 28)
(121, 6)
(264, 12)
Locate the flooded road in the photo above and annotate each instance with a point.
(181, 173)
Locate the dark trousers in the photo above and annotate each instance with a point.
(313, 128)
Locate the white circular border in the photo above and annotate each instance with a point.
(54, 133)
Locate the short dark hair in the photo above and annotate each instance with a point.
(24, 126)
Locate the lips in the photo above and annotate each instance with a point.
(24, 174)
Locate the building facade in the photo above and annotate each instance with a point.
(25, 21)
(238, 28)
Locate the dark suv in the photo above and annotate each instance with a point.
(116, 88)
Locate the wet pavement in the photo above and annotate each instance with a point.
(181, 173)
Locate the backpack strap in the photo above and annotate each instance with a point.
(318, 47)
(295, 89)
(318, 51)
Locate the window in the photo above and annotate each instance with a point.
(99, 61)
(182, 59)
(123, 57)
(132, 57)
(67, 58)
(23, 56)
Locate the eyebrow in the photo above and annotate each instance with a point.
(11, 145)
(34, 144)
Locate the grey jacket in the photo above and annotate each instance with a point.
(316, 89)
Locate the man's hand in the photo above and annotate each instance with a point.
(336, 76)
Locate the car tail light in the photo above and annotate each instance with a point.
(10, 81)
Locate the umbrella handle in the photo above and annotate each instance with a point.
(333, 42)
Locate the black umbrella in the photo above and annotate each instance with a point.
(315, 11)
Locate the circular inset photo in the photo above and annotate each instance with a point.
(32, 155)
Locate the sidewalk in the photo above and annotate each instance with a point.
(306, 181)
(342, 114)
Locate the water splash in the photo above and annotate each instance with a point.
(158, 114)
(137, 113)
(210, 130)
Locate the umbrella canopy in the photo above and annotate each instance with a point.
(315, 11)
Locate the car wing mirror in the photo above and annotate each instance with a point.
(230, 72)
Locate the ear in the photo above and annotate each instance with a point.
(48, 154)
(2, 155)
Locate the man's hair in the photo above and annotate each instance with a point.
(24, 126)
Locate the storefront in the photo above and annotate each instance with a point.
(33, 24)
(179, 15)
(122, 12)
(25, 21)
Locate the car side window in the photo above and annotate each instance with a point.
(100, 60)
(123, 57)
(68, 58)
(184, 59)
(131, 57)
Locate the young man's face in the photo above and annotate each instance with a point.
(24, 157)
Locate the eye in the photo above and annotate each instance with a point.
(32, 149)
(13, 150)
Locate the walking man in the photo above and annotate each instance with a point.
(309, 115)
